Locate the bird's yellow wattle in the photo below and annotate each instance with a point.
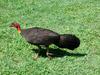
(19, 31)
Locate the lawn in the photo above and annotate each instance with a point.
(79, 17)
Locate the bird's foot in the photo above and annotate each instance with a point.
(36, 57)
(49, 55)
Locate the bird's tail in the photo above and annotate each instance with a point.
(68, 41)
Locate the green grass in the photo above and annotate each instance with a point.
(79, 17)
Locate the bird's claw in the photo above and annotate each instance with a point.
(36, 57)
(49, 55)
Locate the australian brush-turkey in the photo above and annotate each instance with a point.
(38, 36)
(68, 41)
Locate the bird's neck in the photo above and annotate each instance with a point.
(19, 30)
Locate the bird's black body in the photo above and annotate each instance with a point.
(69, 41)
(40, 36)
(45, 37)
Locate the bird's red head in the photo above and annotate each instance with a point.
(16, 25)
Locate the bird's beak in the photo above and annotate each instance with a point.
(11, 26)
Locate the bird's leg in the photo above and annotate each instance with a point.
(47, 53)
(37, 54)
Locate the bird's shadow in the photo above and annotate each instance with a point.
(57, 53)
